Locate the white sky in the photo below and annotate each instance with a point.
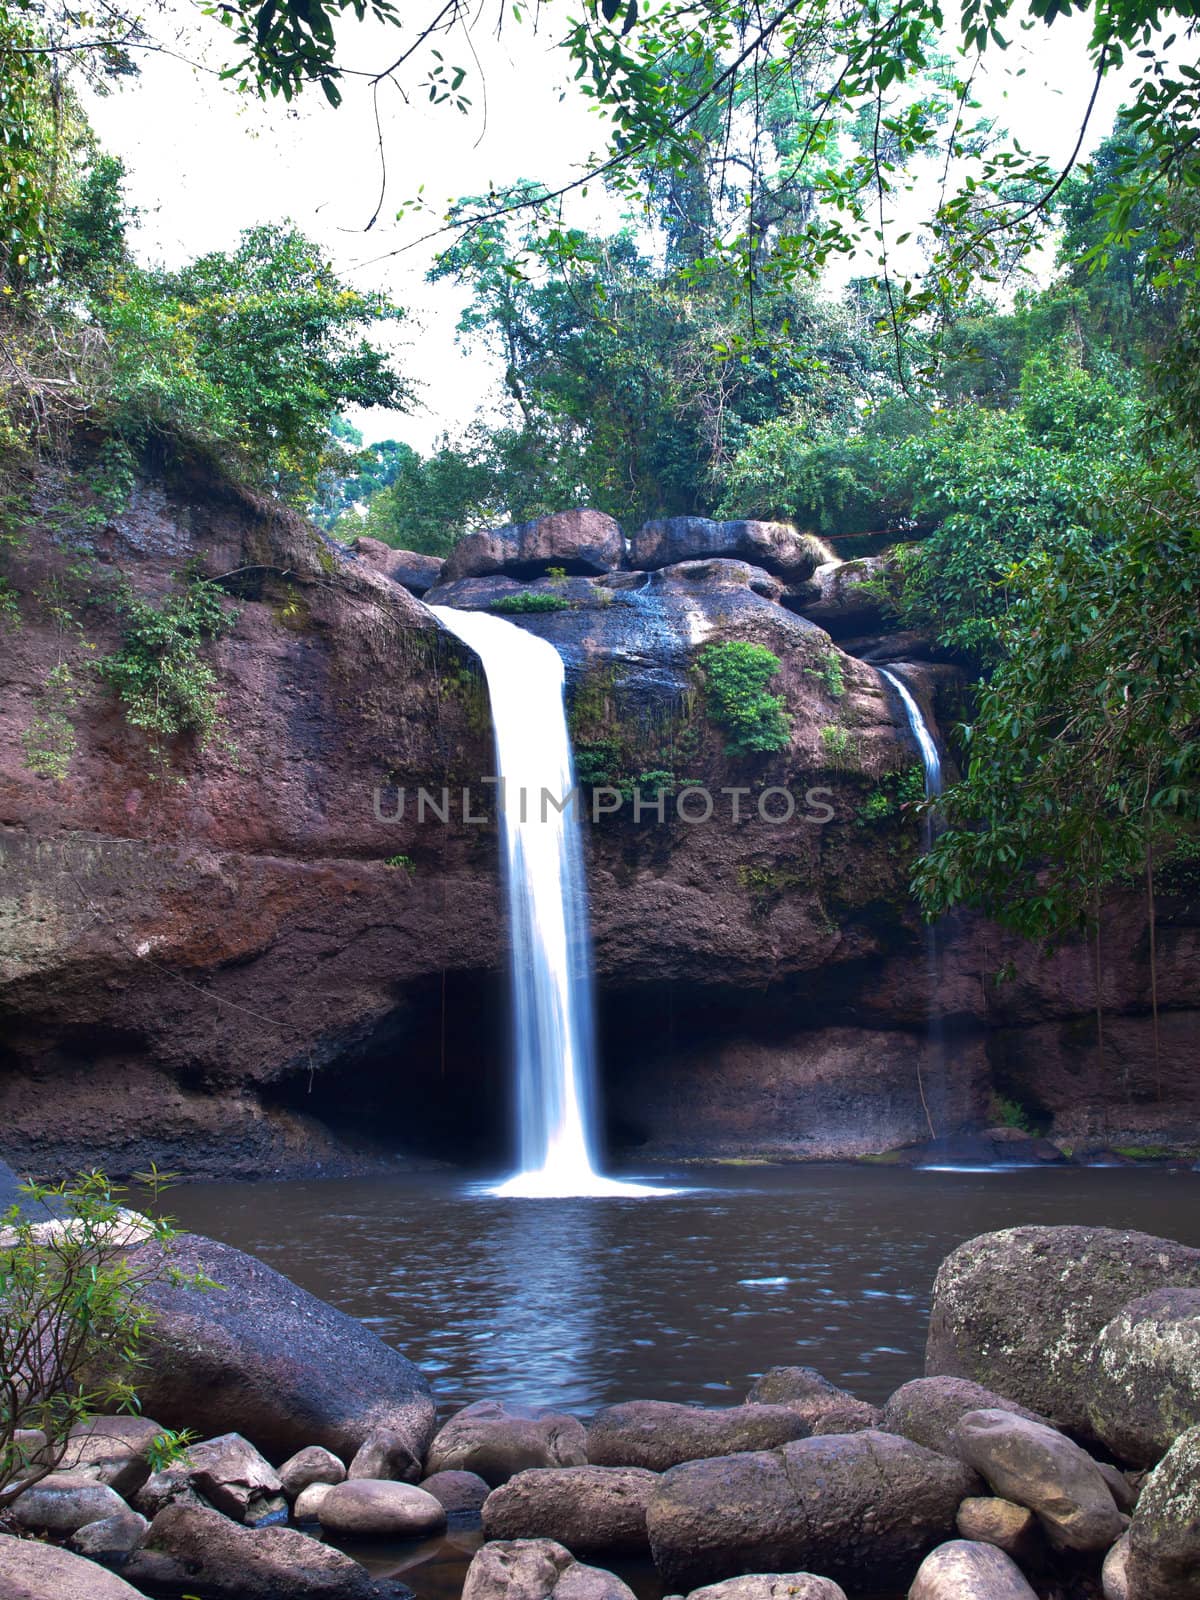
(205, 162)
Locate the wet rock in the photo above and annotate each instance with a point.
(313, 1464)
(386, 1454)
(1114, 1576)
(1019, 1310)
(195, 1550)
(658, 1434)
(578, 541)
(112, 1540)
(30, 1570)
(237, 1479)
(496, 1440)
(986, 1519)
(961, 1570)
(380, 1508)
(777, 546)
(807, 1392)
(264, 1356)
(462, 1493)
(1164, 1535)
(928, 1410)
(1044, 1470)
(64, 1502)
(591, 1510)
(841, 596)
(1144, 1375)
(772, 1586)
(112, 1450)
(409, 568)
(536, 1569)
(860, 1508)
(309, 1501)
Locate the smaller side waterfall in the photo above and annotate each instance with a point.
(550, 957)
(931, 761)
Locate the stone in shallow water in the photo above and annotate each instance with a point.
(496, 1440)
(380, 1508)
(313, 1464)
(961, 1570)
(657, 1434)
(536, 1569)
(591, 1510)
(772, 1586)
(1037, 1467)
(462, 1493)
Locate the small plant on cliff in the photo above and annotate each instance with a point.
(400, 863)
(73, 1315)
(736, 677)
(165, 686)
(838, 747)
(529, 601)
(830, 673)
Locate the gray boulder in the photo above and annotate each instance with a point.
(1164, 1535)
(928, 1410)
(380, 1508)
(810, 1395)
(262, 1355)
(235, 1478)
(63, 1502)
(112, 1540)
(657, 1434)
(313, 1464)
(1037, 1467)
(112, 1450)
(860, 1508)
(496, 1440)
(987, 1519)
(195, 1550)
(721, 573)
(592, 1510)
(1018, 1311)
(772, 1586)
(536, 1569)
(461, 1493)
(842, 596)
(777, 546)
(30, 1570)
(1144, 1375)
(384, 1453)
(961, 1570)
(579, 541)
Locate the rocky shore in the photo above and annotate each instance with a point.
(1051, 1451)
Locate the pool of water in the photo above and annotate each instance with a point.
(686, 1296)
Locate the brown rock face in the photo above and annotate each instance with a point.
(577, 541)
(657, 1434)
(591, 1510)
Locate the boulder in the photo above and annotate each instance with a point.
(961, 1570)
(112, 1450)
(1114, 1575)
(777, 546)
(373, 1508)
(30, 1570)
(172, 1486)
(195, 1550)
(1019, 1310)
(409, 568)
(1164, 1535)
(1044, 1470)
(842, 596)
(987, 1519)
(808, 1393)
(262, 1355)
(235, 1478)
(313, 1464)
(721, 573)
(860, 1508)
(112, 1540)
(658, 1434)
(310, 1500)
(536, 1569)
(496, 1440)
(1144, 1375)
(1122, 1491)
(461, 1493)
(853, 1416)
(772, 1586)
(384, 1453)
(579, 541)
(592, 1510)
(64, 1502)
(928, 1410)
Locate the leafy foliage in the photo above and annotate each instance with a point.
(736, 676)
(529, 602)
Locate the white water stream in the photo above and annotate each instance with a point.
(550, 959)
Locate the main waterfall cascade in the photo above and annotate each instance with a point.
(550, 956)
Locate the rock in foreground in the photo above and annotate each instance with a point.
(496, 1440)
(657, 1434)
(371, 1508)
(1164, 1536)
(772, 1586)
(264, 1356)
(960, 1570)
(536, 1569)
(30, 1570)
(1144, 1376)
(591, 1510)
(1018, 1311)
(860, 1508)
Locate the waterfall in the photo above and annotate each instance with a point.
(550, 957)
(931, 761)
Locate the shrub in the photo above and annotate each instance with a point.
(736, 677)
(529, 601)
(838, 746)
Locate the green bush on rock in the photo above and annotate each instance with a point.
(736, 677)
(529, 602)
